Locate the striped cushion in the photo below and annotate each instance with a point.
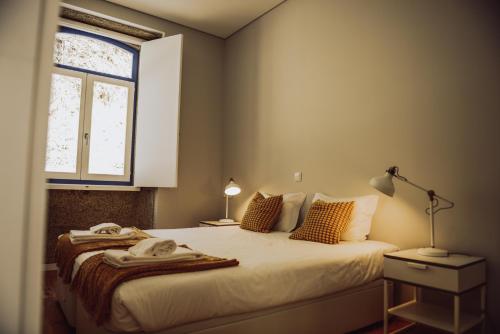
(324, 222)
(262, 213)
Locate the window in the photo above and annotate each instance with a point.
(92, 102)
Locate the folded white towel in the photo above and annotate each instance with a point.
(106, 228)
(79, 236)
(153, 247)
(123, 259)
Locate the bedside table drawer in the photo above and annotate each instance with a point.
(449, 279)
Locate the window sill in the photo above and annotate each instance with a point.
(91, 187)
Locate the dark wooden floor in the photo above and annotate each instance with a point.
(55, 323)
(400, 326)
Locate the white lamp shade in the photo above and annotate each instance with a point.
(383, 184)
(232, 188)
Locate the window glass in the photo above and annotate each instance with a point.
(92, 54)
(108, 129)
(64, 120)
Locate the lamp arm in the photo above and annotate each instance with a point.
(227, 207)
(433, 207)
(394, 171)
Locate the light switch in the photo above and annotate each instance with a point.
(297, 176)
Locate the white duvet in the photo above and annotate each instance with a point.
(273, 271)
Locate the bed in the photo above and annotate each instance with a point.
(281, 285)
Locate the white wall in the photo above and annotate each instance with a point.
(24, 27)
(341, 90)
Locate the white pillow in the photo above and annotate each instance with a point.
(292, 202)
(364, 209)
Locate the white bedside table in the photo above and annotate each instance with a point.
(456, 274)
(215, 223)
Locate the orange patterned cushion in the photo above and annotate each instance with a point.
(262, 213)
(324, 222)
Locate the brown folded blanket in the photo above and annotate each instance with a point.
(96, 281)
(66, 252)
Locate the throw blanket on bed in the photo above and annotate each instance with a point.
(66, 252)
(96, 281)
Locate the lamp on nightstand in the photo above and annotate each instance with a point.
(385, 185)
(231, 189)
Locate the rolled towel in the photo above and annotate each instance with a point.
(79, 236)
(153, 247)
(123, 259)
(106, 228)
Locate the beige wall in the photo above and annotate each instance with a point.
(200, 156)
(340, 90)
(17, 95)
(24, 89)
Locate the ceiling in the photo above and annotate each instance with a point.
(217, 17)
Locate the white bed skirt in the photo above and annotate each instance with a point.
(336, 313)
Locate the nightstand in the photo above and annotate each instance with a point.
(216, 223)
(455, 274)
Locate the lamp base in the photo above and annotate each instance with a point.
(435, 252)
(226, 220)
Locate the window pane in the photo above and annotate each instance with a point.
(92, 54)
(64, 119)
(108, 129)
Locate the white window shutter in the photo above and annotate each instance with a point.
(158, 106)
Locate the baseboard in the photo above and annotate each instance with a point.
(50, 266)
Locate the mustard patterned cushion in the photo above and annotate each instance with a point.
(262, 213)
(325, 222)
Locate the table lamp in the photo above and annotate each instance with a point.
(231, 189)
(385, 185)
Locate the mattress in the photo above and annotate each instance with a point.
(274, 270)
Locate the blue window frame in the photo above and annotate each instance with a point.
(133, 78)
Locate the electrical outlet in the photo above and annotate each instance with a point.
(297, 176)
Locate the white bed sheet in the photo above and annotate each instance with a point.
(273, 271)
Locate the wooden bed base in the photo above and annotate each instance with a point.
(337, 313)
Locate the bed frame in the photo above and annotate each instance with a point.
(66, 300)
(336, 313)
